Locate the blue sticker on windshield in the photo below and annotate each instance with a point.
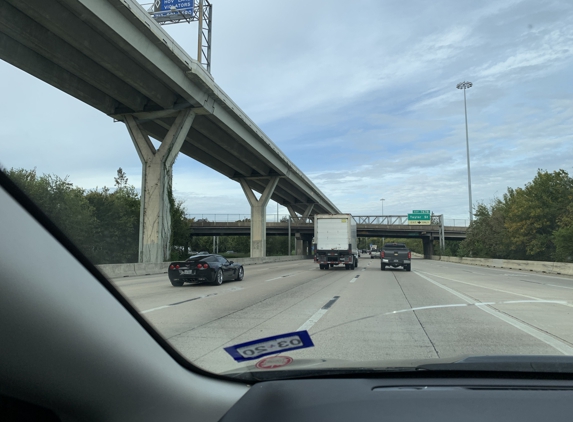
(255, 349)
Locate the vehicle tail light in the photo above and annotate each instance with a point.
(382, 254)
(199, 266)
(172, 267)
(409, 255)
(177, 267)
(205, 266)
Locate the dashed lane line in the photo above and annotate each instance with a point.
(283, 276)
(314, 319)
(187, 300)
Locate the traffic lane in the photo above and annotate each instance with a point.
(488, 286)
(360, 325)
(544, 308)
(200, 331)
(156, 290)
(396, 315)
(259, 298)
(514, 278)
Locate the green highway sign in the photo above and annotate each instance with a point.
(421, 212)
(420, 218)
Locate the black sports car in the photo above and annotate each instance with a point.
(209, 268)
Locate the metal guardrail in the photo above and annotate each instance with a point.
(389, 220)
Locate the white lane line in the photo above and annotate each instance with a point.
(155, 309)
(458, 305)
(555, 285)
(319, 314)
(232, 289)
(489, 288)
(534, 332)
(284, 276)
(354, 279)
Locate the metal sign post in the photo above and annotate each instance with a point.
(169, 12)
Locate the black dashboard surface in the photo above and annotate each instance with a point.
(425, 400)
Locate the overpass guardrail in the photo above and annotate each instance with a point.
(390, 220)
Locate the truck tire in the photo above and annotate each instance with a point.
(383, 267)
(353, 265)
(408, 267)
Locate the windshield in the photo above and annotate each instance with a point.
(383, 193)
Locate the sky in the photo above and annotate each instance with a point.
(360, 95)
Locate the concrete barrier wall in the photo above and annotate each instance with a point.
(130, 270)
(537, 266)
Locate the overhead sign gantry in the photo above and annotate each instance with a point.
(169, 12)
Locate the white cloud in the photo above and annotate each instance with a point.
(361, 96)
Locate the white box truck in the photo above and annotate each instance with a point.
(336, 241)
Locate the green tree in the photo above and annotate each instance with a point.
(534, 212)
(118, 214)
(180, 229)
(563, 236)
(487, 235)
(63, 203)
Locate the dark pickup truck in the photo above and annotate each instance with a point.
(396, 255)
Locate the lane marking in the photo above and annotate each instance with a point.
(487, 288)
(355, 278)
(534, 332)
(284, 276)
(155, 309)
(555, 285)
(458, 305)
(232, 289)
(319, 314)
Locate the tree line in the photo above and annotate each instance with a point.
(530, 223)
(104, 222)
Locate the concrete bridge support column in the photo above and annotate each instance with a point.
(259, 216)
(428, 243)
(300, 246)
(155, 217)
(306, 245)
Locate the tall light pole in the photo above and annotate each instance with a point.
(465, 85)
(382, 200)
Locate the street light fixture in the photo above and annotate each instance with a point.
(466, 85)
(382, 205)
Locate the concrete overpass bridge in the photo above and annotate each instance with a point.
(367, 226)
(113, 56)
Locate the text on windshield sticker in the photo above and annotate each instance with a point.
(270, 346)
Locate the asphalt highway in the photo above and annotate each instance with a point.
(438, 310)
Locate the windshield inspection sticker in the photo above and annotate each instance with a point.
(273, 362)
(255, 349)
